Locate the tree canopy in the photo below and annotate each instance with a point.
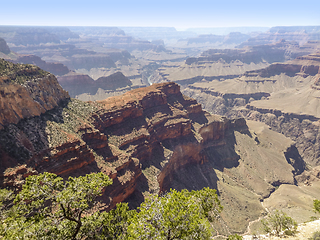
(48, 207)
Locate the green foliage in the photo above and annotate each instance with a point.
(279, 223)
(315, 236)
(20, 73)
(316, 205)
(176, 215)
(6, 210)
(313, 218)
(49, 208)
(234, 237)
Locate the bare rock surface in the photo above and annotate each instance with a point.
(149, 140)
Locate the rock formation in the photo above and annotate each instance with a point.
(77, 84)
(221, 64)
(148, 140)
(4, 48)
(26, 91)
(267, 95)
(300, 34)
(57, 69)
(24, 35)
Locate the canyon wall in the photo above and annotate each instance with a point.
(149, 140)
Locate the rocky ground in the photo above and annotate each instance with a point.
(304, 231)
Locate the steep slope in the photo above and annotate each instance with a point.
(149, 140)
(268, 95)
(4, 48)
(26, 91)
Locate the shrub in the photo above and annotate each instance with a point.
(234, 237)
(315, 236)
(279, 223)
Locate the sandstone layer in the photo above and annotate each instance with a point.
(283, 95)
(149, 140)
(26, 91)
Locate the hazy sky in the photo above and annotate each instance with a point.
(180, 14)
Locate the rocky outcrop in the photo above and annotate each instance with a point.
(26, 91)
(304, 65)
(54, 68)
(4, 48)
(283, 95)
(112, 82)
(77, 84)
(148, 140)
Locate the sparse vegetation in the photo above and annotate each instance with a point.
(316, 205)
(20, 73)
(315, 236)
(279, 223)
(234, 237)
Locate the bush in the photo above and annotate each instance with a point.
(315, 236)
(279, 223)
(316, 205)
(234, 237)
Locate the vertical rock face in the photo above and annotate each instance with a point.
(147, 140)
(4, 48)
(26, 91)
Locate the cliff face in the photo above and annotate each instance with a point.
(147, 140)
(77, 84)
(54, 68)
(282, 95)
(26, 91)
(308, 65)
(4, 48)
(275, 52)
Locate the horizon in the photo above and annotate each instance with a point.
(179, 14)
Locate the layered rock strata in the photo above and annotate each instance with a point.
(77, 84)
(149, 140)
(26, 91)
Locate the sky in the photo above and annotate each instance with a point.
(153, 13)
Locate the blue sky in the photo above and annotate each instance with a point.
(175, 13)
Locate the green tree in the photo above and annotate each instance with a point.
(6, 210)
(176, 215)
(109, 225)
(49, 208)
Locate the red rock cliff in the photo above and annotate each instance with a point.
(26, 93)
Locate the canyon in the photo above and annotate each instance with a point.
(244, 121)
(149, 140)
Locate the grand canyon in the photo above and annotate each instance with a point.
(236, 112)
